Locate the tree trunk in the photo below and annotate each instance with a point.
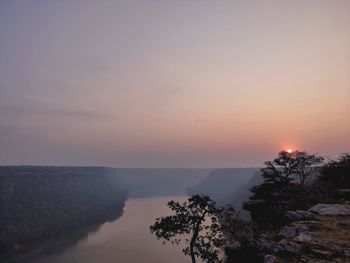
(193, 257)
(193, 241)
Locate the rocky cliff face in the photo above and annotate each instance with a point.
(40, 202)
(320, 234)
(242, 195)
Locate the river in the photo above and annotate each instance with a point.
(125, 240)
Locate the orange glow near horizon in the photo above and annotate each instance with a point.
(151, 84)
(289, 150)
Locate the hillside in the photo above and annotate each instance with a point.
(158, 182)
(39, 202)
(242, 194)
(221, 183)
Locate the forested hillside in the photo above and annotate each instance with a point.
(40, 202)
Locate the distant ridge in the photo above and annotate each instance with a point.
(220, 183)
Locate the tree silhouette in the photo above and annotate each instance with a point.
(196, 221)
(306, 165)
(242, 237)
(236, 229)
(337, 172)
(281, 169)
(277, 194)
(289, 164)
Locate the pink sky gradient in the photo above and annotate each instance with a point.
(172, 83)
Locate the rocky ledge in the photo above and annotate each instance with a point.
(320, 234)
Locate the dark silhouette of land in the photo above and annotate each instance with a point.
(297, 212)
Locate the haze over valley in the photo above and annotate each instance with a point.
(174, 131)
(71, 198)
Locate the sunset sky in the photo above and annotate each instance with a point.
(172, 83)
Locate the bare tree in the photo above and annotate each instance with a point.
(306, 165)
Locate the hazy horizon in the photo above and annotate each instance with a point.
(158, 84)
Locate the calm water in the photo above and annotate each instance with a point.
(124, 240)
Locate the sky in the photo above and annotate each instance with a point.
(154, 83)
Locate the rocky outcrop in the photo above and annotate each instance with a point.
(271, 259)
(321, 234)
(331, 209)
(271, 201)
(299, 215)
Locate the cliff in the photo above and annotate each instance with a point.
(220, 184)
(320, 234)
(293, 221)
(158, 182)
(40, 202)
(242, 195)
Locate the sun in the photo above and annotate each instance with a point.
(289, 150)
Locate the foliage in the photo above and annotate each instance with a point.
(236, 229)
(194, 221)
(279, 194)
(288, 165)
(269, 202)
(337, 172)
(306, 165)
(281, 169)
(284, 189)
(241, 237)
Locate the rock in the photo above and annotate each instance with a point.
(320, 252)
(265, 244)
(299, 215)
(303, 237)
(346, 252)
(290, 232)
(307, 225)
(323, 249)
(343, 225)
(319, 235)
(331, 210)
(271, 259)
(286, 246)
(312, 260)
(234, 246)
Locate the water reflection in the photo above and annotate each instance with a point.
(59, 243)
(125, 240)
